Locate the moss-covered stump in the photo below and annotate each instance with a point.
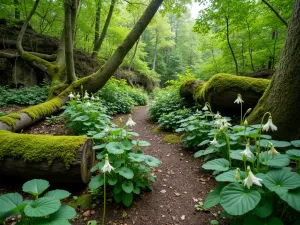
(221, 90)
(58, 159)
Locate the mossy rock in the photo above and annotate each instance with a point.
(84, 202)
(172, 139)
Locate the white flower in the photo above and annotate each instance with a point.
(130, 122)
(272, 151)
(226, 123)
(269, 125)
(205, 108)
(78, 96)
(247, 152)
(214, 142)
(107, 167)
(92, 98)
(88, 104)
(218, 116)
(106, 129)
(251, 179)
(239, 99)
(86, 95)
(71, 96)
(218, 123)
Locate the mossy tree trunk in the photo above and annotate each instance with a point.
(282, 98)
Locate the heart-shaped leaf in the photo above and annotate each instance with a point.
(203, 152)
(35, 186)
(296, 143)
(238, 200)
(281, 180)
(127, 144)
(141, 143)
(127, 199)
(264, 208)
(136, 157)
(64, 212)
(151, 161)
(229, 176)
(217, 164)
(57, 194)
(213, 197)
(292, 197)
(115, 148)
(293, 152)
(279, 160)
(276, 144)
(126, 172)
(42, 207)
(10, 201)
(96, 182)
(127, 186)
(112, 181)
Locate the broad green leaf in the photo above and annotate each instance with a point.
(204, 142)
(281, 181)
(127, 144)
(118, 198)
(82, 118)
(35, 186)
(112, 181)
(151, 161)
(42, 207)
(213, 197)
(296, 143)
(97, 147)
(292, 197)
(136, 157)
(229, 176)
(217, 164)
(10, 201)
(273, 221)
(238, 200)
(117, 188)
(57, 194)
(293, 152)
(279, 160)
(64, 212)
(264, 208)
(276, 144)
(141, 143)
(136, 190)
(127, 186)
(203, 152)
(115, 148)
(49, 221)
(96, 182)
(126, 172)
(127, 199)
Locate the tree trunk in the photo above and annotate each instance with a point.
(17, 9)
(134, 53)
(276, 13)
(97, 24)
(99, 42)
(155, 50)
(230, 47)
(283, 95)
(41, 157)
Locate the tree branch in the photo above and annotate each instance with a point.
(276, 12)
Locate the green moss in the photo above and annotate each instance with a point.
(43, 109)
(10, 119)
(156, 130)
(84, 202)
(75, 86)
(222, 82)
(171, 138)
(35, 148)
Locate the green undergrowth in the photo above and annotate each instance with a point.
(172, 139)
(36, 148)
(84, 202)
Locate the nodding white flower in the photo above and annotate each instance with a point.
(239, 99)
(92, 98)
(78, 96)
(107, 167)
(88, 104)
(214, 141)
(71, 96)
(107, 129)
(237, 176)
(245, 123)
(205, 108)
(247, 152)
(218, 115)
(130, 122)
(226, 123)
(86, 95)
(251, 179)
(272, 151)
(269, 125)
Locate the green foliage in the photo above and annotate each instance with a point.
(40, 210)
(132, 168)
(23, 96)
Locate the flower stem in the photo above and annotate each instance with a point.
(228, 148)
(104, 203)
(241, 114)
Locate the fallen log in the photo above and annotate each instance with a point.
(221, 90)
(65, 160)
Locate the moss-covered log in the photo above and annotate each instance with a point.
(222, 89)
(58, 159)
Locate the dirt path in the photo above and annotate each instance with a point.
(179, 182)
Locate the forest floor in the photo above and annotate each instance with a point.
(180, 185)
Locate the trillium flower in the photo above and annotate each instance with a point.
(107, 167)
(251, 179)
(272, 151)
(269, 125)
(86, 95)
(214, 141)
(247, 152)
(130, 122)
(239, 99)
(205, 108)
(218, 116)
(71, 96)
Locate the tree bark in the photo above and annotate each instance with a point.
(155, 50)
(99, 42)
(17, 9)
(283, 95)
(134, 53)
(230, 47)
(276, 13)
(97, 24)
(78, 172)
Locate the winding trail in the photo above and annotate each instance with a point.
(180, 181)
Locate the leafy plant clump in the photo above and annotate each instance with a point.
(39, 210)
(131, 167)
(23, 96)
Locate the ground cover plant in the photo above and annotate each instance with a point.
(46, 209)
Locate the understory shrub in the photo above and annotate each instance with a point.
(39, 210)
(23, 96)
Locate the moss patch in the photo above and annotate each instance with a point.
(171, 138)
(36, 148)
(84, 202)
(10, 119)
(43, 109)
(156, 130)
(222, 82)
